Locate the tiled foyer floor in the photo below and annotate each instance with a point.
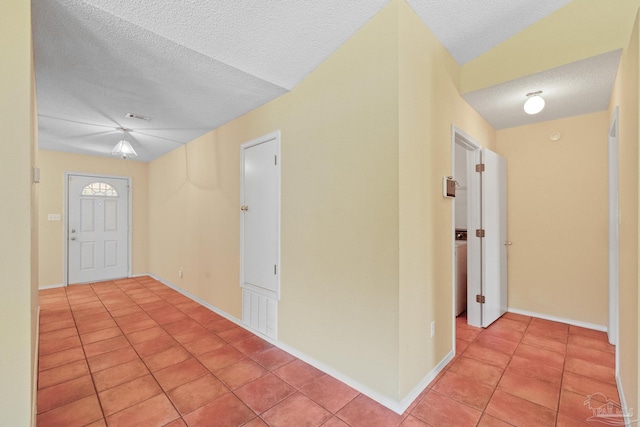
(135, 352)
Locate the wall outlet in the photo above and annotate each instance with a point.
(433, 328)
(53, 217)
(180, 274)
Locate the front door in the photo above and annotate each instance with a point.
(97, 228)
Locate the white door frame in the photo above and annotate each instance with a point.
(65, 228)
(459, 137)
(614, 235)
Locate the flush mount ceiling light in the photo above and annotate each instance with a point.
(534, 103)
(123, 148)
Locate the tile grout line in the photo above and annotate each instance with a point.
(86, 359)
(166, 298)
(180, 416)
(484, 411)
(564, 363)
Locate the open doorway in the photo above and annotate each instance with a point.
(466, 249)
(480, 231)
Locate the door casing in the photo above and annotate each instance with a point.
(614, 233)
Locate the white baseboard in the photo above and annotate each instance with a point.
(43, 287)
(629, 420)
(602, 328)
(422, 385)
(34, 379)
(587, 325)
(397, 406)
(62, 285)
(201, 302)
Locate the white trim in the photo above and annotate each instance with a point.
(422, 385)
(623, 400)
(202, 302)
(613, 159)
(34, 378)
(454, 289)
(44, 287)
(595, 327)
(397, 406)
(65, 225)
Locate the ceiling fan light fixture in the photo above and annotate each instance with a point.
(534, 103)
(123, 148)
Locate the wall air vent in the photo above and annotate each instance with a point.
(138, 117)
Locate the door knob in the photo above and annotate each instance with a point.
(508, 243)
(73, 238)
(73, 230)
(244, 208)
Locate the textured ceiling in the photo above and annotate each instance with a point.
(276, 41)
(581, 87)
(194, 65)
(468, 28)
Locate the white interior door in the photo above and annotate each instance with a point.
(495, 242)
(260, 232)
(97, 228)
(260, 216)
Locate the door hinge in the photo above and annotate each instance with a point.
(275, 160)
(275, 269)
(480, 232)
(480, 167)
(480, 299)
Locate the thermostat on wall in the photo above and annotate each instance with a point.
(448, 187)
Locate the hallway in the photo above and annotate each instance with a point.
(136, 352)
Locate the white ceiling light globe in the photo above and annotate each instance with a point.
(534, 105)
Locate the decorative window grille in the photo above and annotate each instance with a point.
(101, 189)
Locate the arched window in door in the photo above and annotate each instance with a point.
(101, 189)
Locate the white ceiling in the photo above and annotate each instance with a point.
(468, 28)
(194, 65)
(581, 87)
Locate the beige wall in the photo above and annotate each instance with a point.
(557, 217)
(626, 97)
(339, 209)
(429, 105)
(553, 41)
(350, 167)
(53, 165)
(18, 301)
(194, 200)
(35, 240)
